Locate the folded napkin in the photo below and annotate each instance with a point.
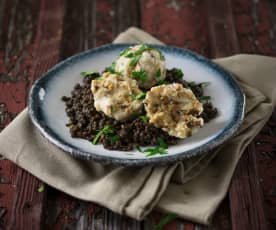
(192, 189)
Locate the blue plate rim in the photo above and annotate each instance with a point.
(224, 135)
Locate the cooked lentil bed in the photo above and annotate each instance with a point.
(85, 121)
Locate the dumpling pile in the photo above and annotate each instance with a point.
(120, 91)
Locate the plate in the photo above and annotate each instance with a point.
(47, 111)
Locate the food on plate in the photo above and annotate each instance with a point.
(115, 96)
(175, 109)
(143, 63)
(137, 102)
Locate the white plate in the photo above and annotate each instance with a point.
(47, 111)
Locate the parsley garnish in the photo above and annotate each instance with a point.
(124, 51)
(160, 149)
(99, 78)
(114, 138)
(162, 82)
(144, 118)
(105, 130)
(164, 221)
(140, 75)
(112, 70)
(140, 96)
(135, 60)
(137, 54)
(86, 73)
(204, 99)
(158, 73)
(178, 73)
(41, 188)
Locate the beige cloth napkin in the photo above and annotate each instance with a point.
(192, 189)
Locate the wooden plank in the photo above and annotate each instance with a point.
(222, 31)
(22, 62)
(246, 199)
(179, 23)
(245, 194)
(94, 23)
(16, 38)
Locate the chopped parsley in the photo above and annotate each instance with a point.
(99, 78)
(137, 54)
(144, 118)
(165, 220)
(140, 75)
(162, 82)
(124, 52)
(178, 73)
(41, 188)
(105, 130)
(140, 96)
(158, 73)
(135, 60)
(114, 138)
(160, 149)
(86, 73)
(205, 99)
(112, 70)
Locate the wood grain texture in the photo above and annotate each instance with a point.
(24, 42)
(252, 182)
(210, 27)
(16, 39)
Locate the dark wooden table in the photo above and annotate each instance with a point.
(36, 34)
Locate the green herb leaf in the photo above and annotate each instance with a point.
(114, 138)
(164, 221)
(158, 73)
(162, 82)
(99, 78)
(124, 51)
(140, 75)
(86, 73)
(205, 99)
(162, 143)
(154, 151)
(140, 96)
(204, 84)
(160, 149)
(178, 73)
(112, 70)
(41, 188)
(130, 55)
(144, 118)
(135, 60)
(105, 130)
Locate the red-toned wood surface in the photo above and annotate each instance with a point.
(34, 35)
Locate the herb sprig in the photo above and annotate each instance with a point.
(160, 149)
(86, 73)
(105, 130)
(205, 99)
(140, 75)
(164, 221)
(112, 70)
(137, 54)
(144, 118)
(178, 73)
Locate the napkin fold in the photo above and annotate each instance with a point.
(192, 189)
